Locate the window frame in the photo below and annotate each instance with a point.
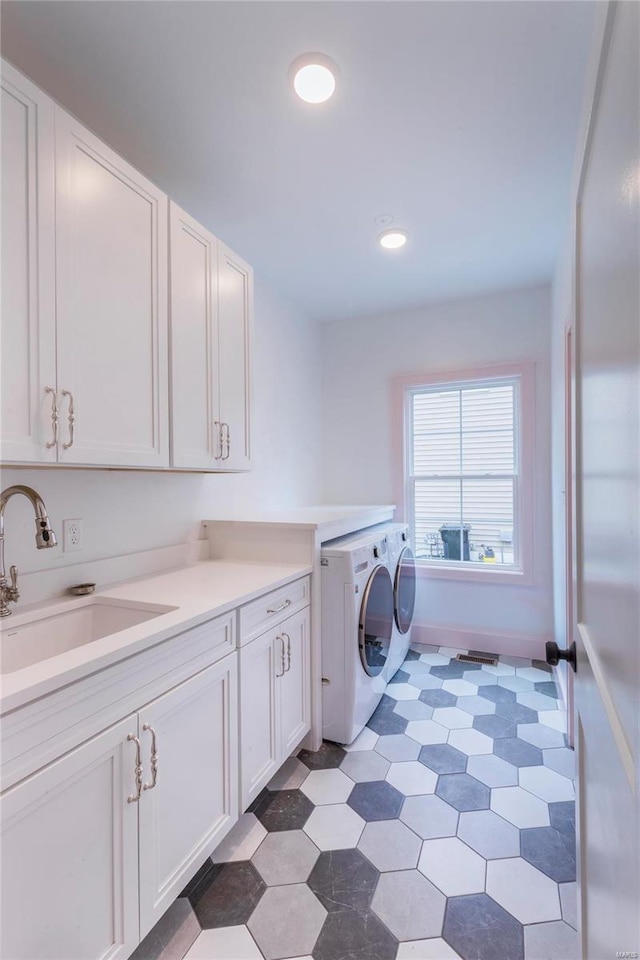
(403, 387)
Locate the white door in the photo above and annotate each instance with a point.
(28, 318)
(196, 433)
(261, 662)
(78, 898)
(607, 506)
(294, 692)
(111, 248)
(191, 802)
(235, 312)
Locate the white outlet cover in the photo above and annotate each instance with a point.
(72, 535)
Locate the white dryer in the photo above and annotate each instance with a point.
(402, 568)
(357, 627)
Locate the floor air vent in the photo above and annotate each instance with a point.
(469, 658)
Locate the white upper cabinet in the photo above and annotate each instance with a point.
(28, 368)
(211, 310)
(235, 313)
(111, 244)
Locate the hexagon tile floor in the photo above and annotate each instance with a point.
(446, 830)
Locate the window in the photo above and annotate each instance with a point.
(465, 483)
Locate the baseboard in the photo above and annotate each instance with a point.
(529, 646)
(48, 584)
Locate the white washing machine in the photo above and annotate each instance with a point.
(402, 569)
(357, 628)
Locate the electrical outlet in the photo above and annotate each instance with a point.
(71, 536)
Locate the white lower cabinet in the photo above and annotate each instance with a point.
(97, 845)
(194, 801)
(274, 701)
(70, 855)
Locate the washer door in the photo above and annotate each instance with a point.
(376, 621)
(404, 590)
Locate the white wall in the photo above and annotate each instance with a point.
(360, 357)
(126, 512)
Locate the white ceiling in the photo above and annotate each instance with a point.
(458, 118)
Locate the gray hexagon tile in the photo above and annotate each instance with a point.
(376, 800)
(366, 740)
(329, 755)
(476, 706)
(551, 852)
(493, 771)
(290, 776)
(343, 880)
(425, 681)
(227, 895)
(409, 905)
(517, 684)
(334, 827)
(452, 866)
(429, 817)
(555, 939)
(364, 765)
(412, 778)
(546, 784)
(534, 701)
(452, 718)
(403, 691)
(173, 935)
(516, 712)
(489, 835)
(520, 807)
(427, 731)
(476, 926)
(563, 817)
(438, 698)
(526, 893)
(434, 949)
(230, 943)
(443, 758)
(390, 845)
(327, 786)
(460, 688)
(495, 726)
(540, 735)
(242, 841)
(282, 810)
(517, 752)
(271, 927)
(414, 710)
(397, 747)
(471, 742)
(351, 935)
(497, 694)
(463, 791)
(285, 857)
(569, 903)
(562, 760)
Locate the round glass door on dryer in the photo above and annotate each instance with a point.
(376, 621)
(404, 590)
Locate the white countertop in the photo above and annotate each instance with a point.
(329, 520)
(198, 592)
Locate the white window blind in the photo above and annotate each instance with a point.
(463, 471)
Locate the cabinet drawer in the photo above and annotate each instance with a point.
(266, 611)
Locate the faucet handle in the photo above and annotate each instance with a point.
(13, 573)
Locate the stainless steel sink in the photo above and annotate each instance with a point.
(29, 638)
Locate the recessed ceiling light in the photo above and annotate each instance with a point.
(392, 239)
(313, 76)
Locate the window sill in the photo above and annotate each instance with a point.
(477, 573)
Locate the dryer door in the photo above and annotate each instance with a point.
(376, 621)
(404, 590)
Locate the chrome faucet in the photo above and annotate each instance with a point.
(45, 537)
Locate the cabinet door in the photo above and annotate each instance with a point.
(294, 693)
(76, 895)
(194, 801)
(235, 312)
(196, 441)
(28, 271)
(260, 662)
(111, 247)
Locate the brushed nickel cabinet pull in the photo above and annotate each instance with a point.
(282, 656)
(154, 758)
(283, 606)
(288, 652)
(71, 419)
(227, 441)
(218, 426)
(134, 797)
(54, 417)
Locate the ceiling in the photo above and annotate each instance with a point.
(459, 119)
